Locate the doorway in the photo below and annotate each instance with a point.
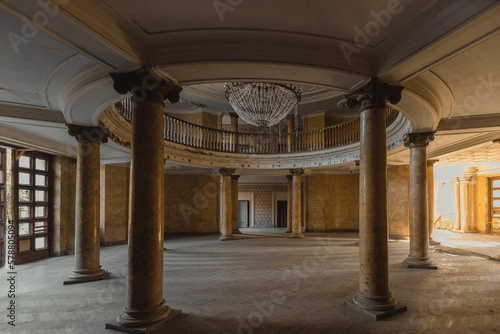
(282, 213)
(243, 213)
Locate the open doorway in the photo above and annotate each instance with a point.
(282, 213)
(243, 213)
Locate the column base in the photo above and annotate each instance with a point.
(82, 276)
(226, 237)
(377, 315)
(296, 236)
(237, 232)
(145, 328)
(457, 231)
(434, 242)
(419, 263)
(288, 231)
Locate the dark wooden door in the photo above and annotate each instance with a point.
(30, 204)
(3, 208)
(282, 214)
(243, 213)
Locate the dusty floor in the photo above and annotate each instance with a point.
(264, 282)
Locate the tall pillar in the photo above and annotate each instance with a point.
(291, 129)
(289, 205)
(234, 128)
(145, 308)
(296, 204)
(457, 223)
(87, 236)
(419, 219)
(227, 203)
(468, 185)
(234, 203)
(430, 200)
(373, 297)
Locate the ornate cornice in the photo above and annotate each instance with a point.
(419, 139)
(144, 84)
(89, 134)
(374, 95)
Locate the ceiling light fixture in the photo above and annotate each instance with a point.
(262, 104)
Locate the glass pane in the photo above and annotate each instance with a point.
(40, 180)
(496, 203)
(24, 212)
(24, 229)
(2, 195)
(40, 211)
(496, 193)
(24, 245)
(496, 183)
(24, 195)
(1, 158)
(40, 196)
(25, 178)
(41, 164)
(40, 243)
(2, 177)
(40, 227)
(25, 162)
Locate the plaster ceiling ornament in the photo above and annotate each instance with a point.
(262, 104)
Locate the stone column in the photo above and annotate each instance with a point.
(430, 200)
(227, 203)
(373, 298)
(291, 129)
(234, 128)
(296, 204)
(468, 185)
(145, 308)
(289, 205)
(87, 267)
(419, 219)
(234, 203)
(457, 223)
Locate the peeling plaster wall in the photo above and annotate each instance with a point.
(398, 179)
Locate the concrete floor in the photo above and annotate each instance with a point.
(264, 282)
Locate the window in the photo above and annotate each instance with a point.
(495, 201)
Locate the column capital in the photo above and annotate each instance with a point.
(233, 115)
(374, 94)
(468, 178)
(145, 84)
(235, 177)
(290, 116)
(296, 171)
(289, 177)
(226, 171)
(418, 138)
(89, 134)
(431, 163)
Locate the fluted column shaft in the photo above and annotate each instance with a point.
(145, 306)
(289, 205)
(419, 220)
(468, 186)
(234, 203)
(296, 204)
(373, 297)
(457, 224)
(227, 203)
(87, 267)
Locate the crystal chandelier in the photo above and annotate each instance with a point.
(262, 104)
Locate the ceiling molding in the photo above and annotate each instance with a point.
(22, 138)
(456, 124)
(28, 113)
